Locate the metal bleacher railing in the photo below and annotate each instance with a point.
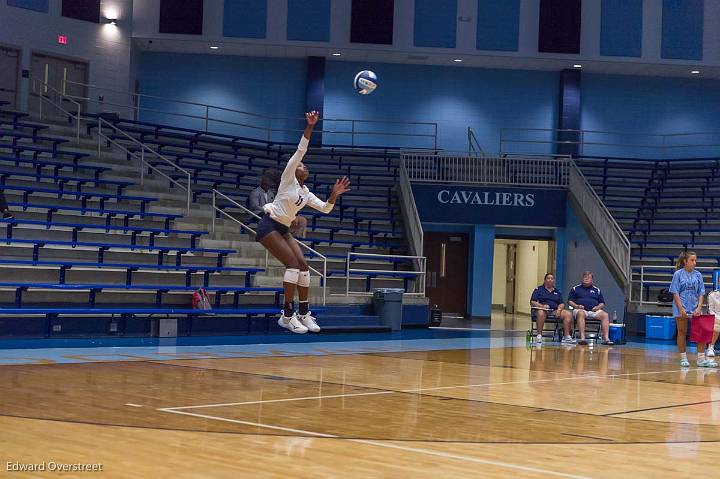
(643, 278)
(611, 143)
(208, 117)
(445, 166)
(117, 133)
(610, 233)
(526, 170)
(474, 148)
(54, 98)
(418, 273)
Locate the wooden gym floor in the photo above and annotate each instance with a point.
(497, 411)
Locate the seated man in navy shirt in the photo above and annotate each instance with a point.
(588, 302)
(547, 301)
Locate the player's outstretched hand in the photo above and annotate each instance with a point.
(341, 186)
(312, 117)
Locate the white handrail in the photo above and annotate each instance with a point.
(411, 216)
(134, 105)
(655, 143)
(63, 96)
(609, 232)
(420, 272)
(143, 162)
(217, 193)
(458, 167)
(642, 282)
(473, 144)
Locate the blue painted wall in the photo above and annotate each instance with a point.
(581, 255)
(455, 98)
(245, 18)
(498, 25)
(649, 105)
(435, 26)
(308, 20)
(37, 5)
(270, 86)
(682, 29)
(483, 245)
(621, 28)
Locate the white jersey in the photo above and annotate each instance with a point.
(291, 197)
(714, 303)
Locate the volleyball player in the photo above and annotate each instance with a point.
(273, 232)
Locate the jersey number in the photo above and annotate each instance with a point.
(299, 201)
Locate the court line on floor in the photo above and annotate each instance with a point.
(418, 390)
(610, 414)
(387, 391)
(418, 450)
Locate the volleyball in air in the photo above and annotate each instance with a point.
(365, 82)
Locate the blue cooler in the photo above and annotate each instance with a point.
(617, 333)
(659, 327)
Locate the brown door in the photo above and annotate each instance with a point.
(510, 278)
(9, 65)
(447, 263)
(62, 77)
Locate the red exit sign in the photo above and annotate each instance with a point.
(62, 39)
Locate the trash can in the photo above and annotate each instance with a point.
(388, 305)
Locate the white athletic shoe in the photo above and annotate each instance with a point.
(707, 363)
(710, 353)
(538, 339)
(568, 340)
(684, 363)
(292, 324)
(309, 322)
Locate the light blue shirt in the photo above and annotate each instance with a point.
(690, 287)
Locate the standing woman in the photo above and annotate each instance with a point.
(688, 289)
(273, 232)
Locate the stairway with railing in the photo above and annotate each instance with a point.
(531, 171)
(123, 253)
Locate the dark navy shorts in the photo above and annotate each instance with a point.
(267, 225)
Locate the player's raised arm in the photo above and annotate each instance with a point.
(311, 119)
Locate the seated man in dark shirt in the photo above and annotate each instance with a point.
(588, 302)
(546, 301)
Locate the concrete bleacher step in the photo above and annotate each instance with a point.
(65, 253)
(109, 275)
(120, 296)
(58, 233)
(90, 219)
(173, 201)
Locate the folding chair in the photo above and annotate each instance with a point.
(555, 322)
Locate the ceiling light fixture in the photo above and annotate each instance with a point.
(336, 54)
(577, 65)
(214, 47)
(457, 60)
(695, 72)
